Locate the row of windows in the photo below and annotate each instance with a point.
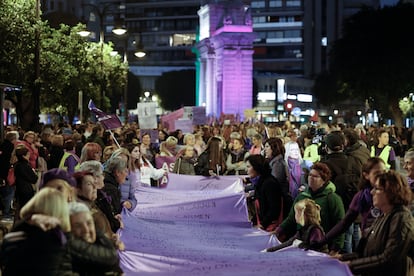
(169, 40)
(276, 3)
(279, 34)
(160, 12)
(162, 25)
(185, 55)
(270, 18)
(293, 52)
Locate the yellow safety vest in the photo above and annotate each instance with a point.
(384, 155)
(63, 160)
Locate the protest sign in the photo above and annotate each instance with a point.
(147, 115)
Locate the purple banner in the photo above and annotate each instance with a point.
(199, 183)
(206, 232)
(168, 205)
(167, 163)
(108, 121)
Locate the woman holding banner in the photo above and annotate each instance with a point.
(268, 193)
(141, 170)
(387, 248)
(212, 161)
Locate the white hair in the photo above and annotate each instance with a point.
(78, 207)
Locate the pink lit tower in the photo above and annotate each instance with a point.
(225, 65)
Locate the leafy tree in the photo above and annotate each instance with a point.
(71, 64)
(176, 89)
(18, 25)
(68, 64)
(373, 59)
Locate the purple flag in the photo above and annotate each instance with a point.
(108, 121)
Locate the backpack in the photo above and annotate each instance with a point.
(346, 182)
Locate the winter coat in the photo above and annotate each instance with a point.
(233, 165)
(25, 178)
(203, 165)
(55, 155)
(339, 163)
(6, 149)
(387, 248)
(269, 194)
(129, 187)
(332, 212)
(104, 204)
(101, 221)
(359, 152)
(111, 188)
(280, 172)
(184, 165)
(99, 258)
(28, 250)
(34, 153)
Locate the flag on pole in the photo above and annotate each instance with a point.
(108, 121)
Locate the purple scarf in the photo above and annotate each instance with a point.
(295, 173)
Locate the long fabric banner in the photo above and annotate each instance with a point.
(199, 226)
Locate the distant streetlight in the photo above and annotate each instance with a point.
(359, 112)
(139, 52)
(335, 111)
(121, 30)
(100, 11)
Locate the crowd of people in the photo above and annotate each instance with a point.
(335, 189)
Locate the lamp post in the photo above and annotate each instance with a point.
(140, 53)
(100, 11)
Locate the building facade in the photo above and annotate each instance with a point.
(292, 38)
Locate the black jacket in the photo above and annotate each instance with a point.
(6, 149)
(99, 258)
(388, 247)
(103, 202)
(111, 188)
(28, 250)
(269, 194)
(25, 177)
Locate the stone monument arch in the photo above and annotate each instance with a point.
(225, 65)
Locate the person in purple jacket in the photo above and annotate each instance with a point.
(361, 203)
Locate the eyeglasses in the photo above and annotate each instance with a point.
(314, 176)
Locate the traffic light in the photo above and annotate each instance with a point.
(288, 106)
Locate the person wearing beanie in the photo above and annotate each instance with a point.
(346, 173)
(61, 180)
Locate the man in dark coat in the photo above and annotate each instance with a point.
(354, 148)
(346, 172)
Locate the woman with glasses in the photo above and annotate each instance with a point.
(322, 191)
(361, 203)
(386, 249)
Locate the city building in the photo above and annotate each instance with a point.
(291, 44)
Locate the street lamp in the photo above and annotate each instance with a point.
(120, 30)
(100, 11)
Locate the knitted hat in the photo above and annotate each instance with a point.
(57, 174)
(335, 141)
